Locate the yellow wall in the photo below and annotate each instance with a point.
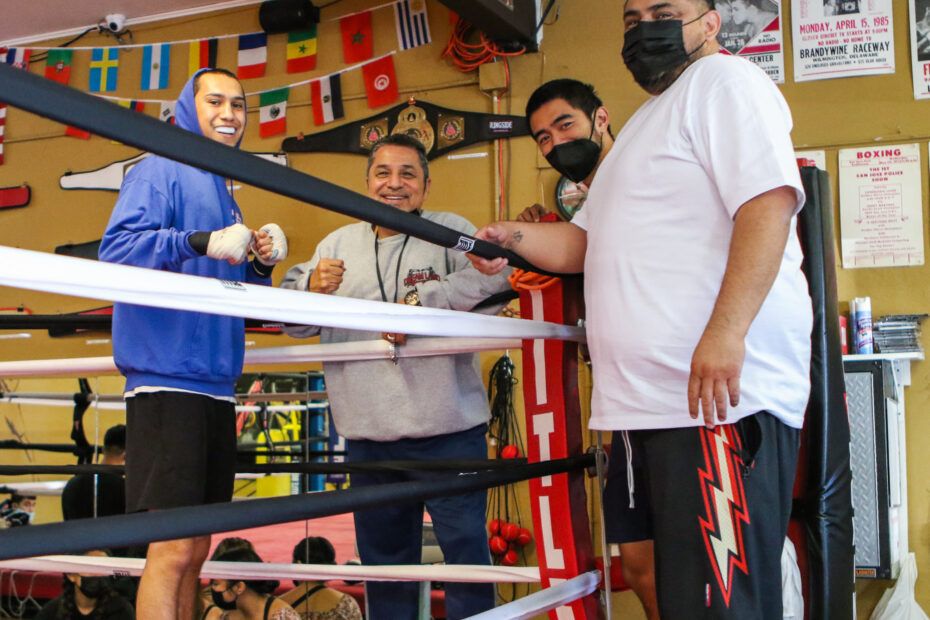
(584, 42)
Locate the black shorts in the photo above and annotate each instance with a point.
(180, 450)
(626, 494)
(718, 504)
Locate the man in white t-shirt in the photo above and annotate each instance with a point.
(698, 314)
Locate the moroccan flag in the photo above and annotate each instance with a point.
(155, 66)
(356, 37)
(272, 112)
(326, 95)
(2, 125)
(380, 81)
(202, 56)
(104, 64)
(16, 56)
(58, 65)
(411, 23)
(301, 50)
(74, 132)
(253, 54)
(167, 111)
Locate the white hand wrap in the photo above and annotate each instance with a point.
(278, 245)
(230, 243)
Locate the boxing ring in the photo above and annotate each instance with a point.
(548, 337)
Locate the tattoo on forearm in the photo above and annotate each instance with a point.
(517, 237)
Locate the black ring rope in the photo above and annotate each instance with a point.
(286, 468)
(143, 527)
(73, 107)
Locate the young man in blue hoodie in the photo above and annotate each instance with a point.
(181, 367)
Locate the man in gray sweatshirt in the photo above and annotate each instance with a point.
(420, 408)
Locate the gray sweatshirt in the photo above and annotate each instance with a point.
(417, 397)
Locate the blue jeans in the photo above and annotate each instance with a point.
(393, 534)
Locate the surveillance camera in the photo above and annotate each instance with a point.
(115, 22)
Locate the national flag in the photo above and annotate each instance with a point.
(380, 81)
(253, 54)
(272, 112)
(58, 65)
(132, 104)
(356, 37)
(167, 111)
(202, 56)
(104, 64)
(74, 132)
(2, 125)
(301, 50)
(16, 56)
(156, 62)
(412, 23)
(326, 96)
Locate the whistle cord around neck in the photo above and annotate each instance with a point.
(400, 257)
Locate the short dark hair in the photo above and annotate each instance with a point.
(231, 543)
(314, 550)
(401, 139)
(114, 441)
(221, 72)
(579, 95)
(262, 586)
(17, 498)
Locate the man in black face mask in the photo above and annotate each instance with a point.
(698, 315)
(571, 127)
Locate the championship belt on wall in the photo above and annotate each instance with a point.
(439, 129)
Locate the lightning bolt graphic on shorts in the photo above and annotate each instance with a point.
(724, 505)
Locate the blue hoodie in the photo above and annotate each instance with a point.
(161, 204)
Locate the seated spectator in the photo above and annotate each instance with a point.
(230, 543)
(312, 600)
(17, 511)
(101, 495)
(250, 599)
(88, 596)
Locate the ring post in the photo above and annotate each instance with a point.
(553, 431)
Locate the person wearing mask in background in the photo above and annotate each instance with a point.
(18, 510)
(87, 597)
(181, 367)
(571, 127)
(312, 600)
(698, 315)
(246, 599)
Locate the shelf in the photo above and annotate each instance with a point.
(910, 356)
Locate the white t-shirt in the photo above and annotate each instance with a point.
(659, 218)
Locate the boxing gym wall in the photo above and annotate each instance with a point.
(583, 42)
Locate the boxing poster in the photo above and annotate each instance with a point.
(841, 38)
(880, 207)
(919, 17)
(752, 29)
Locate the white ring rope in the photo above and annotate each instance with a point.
(57, 402)
(549, 598)
(151, 287)
(93, 565)
(303, 353)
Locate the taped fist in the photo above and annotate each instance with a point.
(270, 245)
(230, 244)
(327, 277)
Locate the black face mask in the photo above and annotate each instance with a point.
(576, 159)
(654, 51)
(94, 587)
(219, 602)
